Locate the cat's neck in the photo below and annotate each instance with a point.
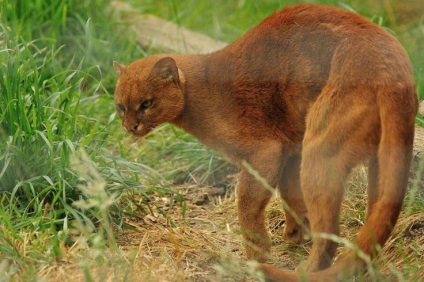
(195, 89)
(206, 99)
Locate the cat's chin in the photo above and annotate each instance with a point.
(138, 135)
(142, 133)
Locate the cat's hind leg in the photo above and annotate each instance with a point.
(341, 132)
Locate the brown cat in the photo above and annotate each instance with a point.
(303, 97)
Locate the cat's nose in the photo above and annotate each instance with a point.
(132, 128)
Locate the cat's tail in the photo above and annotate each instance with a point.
(394, 156)
(340, 271)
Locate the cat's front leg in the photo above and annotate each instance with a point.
(253, 198)
(296, 214)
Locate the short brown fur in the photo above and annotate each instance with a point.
(303, 97)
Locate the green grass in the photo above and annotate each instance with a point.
(55, 84)
(56, 81)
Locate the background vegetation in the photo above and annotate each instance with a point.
(68, 173)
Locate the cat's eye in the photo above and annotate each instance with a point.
(146, 104)
(121, 107)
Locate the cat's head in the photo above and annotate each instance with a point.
(148, 92)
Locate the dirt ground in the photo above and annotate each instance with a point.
(200, 241)
(206, 244)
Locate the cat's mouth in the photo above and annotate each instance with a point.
(142, 131)
(139, 129)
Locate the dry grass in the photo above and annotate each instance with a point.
(205, 245)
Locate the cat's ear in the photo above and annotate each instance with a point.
(120, 69)
(166, 69)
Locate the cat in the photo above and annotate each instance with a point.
(305, 96)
